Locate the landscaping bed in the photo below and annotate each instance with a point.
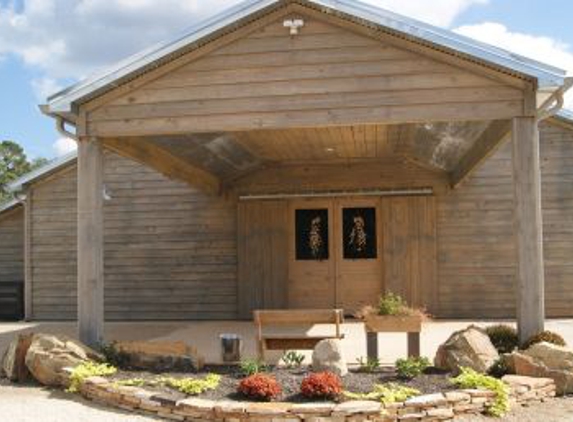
(431, 381)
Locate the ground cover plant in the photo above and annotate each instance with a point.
(468, 378)
(86, 370)
(386, 393)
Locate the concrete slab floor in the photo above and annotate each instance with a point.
(204, 335)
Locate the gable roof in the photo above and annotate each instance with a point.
(43, 171)
(9, 205)
(65, 103)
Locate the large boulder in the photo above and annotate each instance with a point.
(14, 360)
(545, 360)
(328, 356)
(470, 347)
(48, 356)
(159, 356)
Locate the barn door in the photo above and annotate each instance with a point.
(262, 253)
(410, 249)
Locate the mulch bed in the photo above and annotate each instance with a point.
(432, 381)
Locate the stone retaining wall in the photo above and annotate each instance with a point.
(431, 407)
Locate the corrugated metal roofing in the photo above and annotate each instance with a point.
(548, 77)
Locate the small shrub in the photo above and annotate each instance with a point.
(321, 385)
(503, 337)
(386, 393)
(194, 386)
(86, 370)
(250, 367)
(412, 367)
(469, 378)
(391, 304)
(113, 355)
(499, 368)
(260, 387)
(368, 364)
(293, 359)
(547, 336)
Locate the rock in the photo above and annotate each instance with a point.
(328, 356)
(545, 360)
(470, 347)
(159, 356)
(49, 355)
(14, 360)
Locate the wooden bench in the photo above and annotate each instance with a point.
(273, 341)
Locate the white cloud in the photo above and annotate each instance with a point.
(64, 146)
(543, 49)
(44, 87)
(436, 12)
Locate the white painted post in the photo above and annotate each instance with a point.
(90, 241)
(528, 227)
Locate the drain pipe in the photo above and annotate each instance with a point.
(61, 127)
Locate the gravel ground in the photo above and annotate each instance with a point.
(555, 410)
(34, 404)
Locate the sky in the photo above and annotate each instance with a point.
(46, 45)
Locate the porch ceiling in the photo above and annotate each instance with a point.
(449, 147)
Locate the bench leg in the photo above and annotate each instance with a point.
(372, 345)
(414, 345)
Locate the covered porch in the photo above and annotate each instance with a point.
(343, 113)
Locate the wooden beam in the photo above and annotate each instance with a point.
(165, 162)
(528, 227)
(482, 148)
(90, 242)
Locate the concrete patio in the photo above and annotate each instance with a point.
(204, 335)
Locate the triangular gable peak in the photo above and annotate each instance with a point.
(333, 72)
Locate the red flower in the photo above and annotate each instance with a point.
(260, 387)
(322, 385)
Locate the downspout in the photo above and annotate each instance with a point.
(61, 127)
(554, 103)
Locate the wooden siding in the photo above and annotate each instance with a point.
(263, 252)
(170, 251)
(12, 246)
(324, 76)
(476, 250)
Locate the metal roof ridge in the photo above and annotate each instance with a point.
(47, 168)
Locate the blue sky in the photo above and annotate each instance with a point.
(47, 44)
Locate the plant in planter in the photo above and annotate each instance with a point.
(392, 315)
(321, 385)
(260, 387)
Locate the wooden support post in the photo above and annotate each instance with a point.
(28, 311)
(414, 345)
(372, 345)
(90, 241)
(528, 227)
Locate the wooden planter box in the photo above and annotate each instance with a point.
(393, 324)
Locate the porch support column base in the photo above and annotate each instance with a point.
(90, 242)
(528, 227)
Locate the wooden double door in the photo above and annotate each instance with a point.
(278, 268)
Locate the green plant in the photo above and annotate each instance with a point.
(321, 385)
(132, 382)
(386, 393)
(468, 378)
(499, 368)
(250, 367)
(368, 364)
(293, 359)
(544, 336)
(113, 355)
(260, 387)
(412, 367)
(193, 386)
(391, 304)
(86, 370)
(503, 337)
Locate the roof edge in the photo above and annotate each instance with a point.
(42, 172)
(9, 205)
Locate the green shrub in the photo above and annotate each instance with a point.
(293, 359)
(250, 367)
(545, 336)
(391, 304)
(86, 370)
(503, 337)
(499, 368)
(385, 393)
(469, 378)
(194, 386)
(412, 367)
(113, 355)
(368, 364)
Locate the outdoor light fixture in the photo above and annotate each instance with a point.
(106, 194)
(294, 25)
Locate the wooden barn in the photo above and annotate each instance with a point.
(305, 154)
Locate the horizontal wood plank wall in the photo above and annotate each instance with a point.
(170, 251)
(263, 256)
(12, 246)
(476, 252)
(326, 75)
